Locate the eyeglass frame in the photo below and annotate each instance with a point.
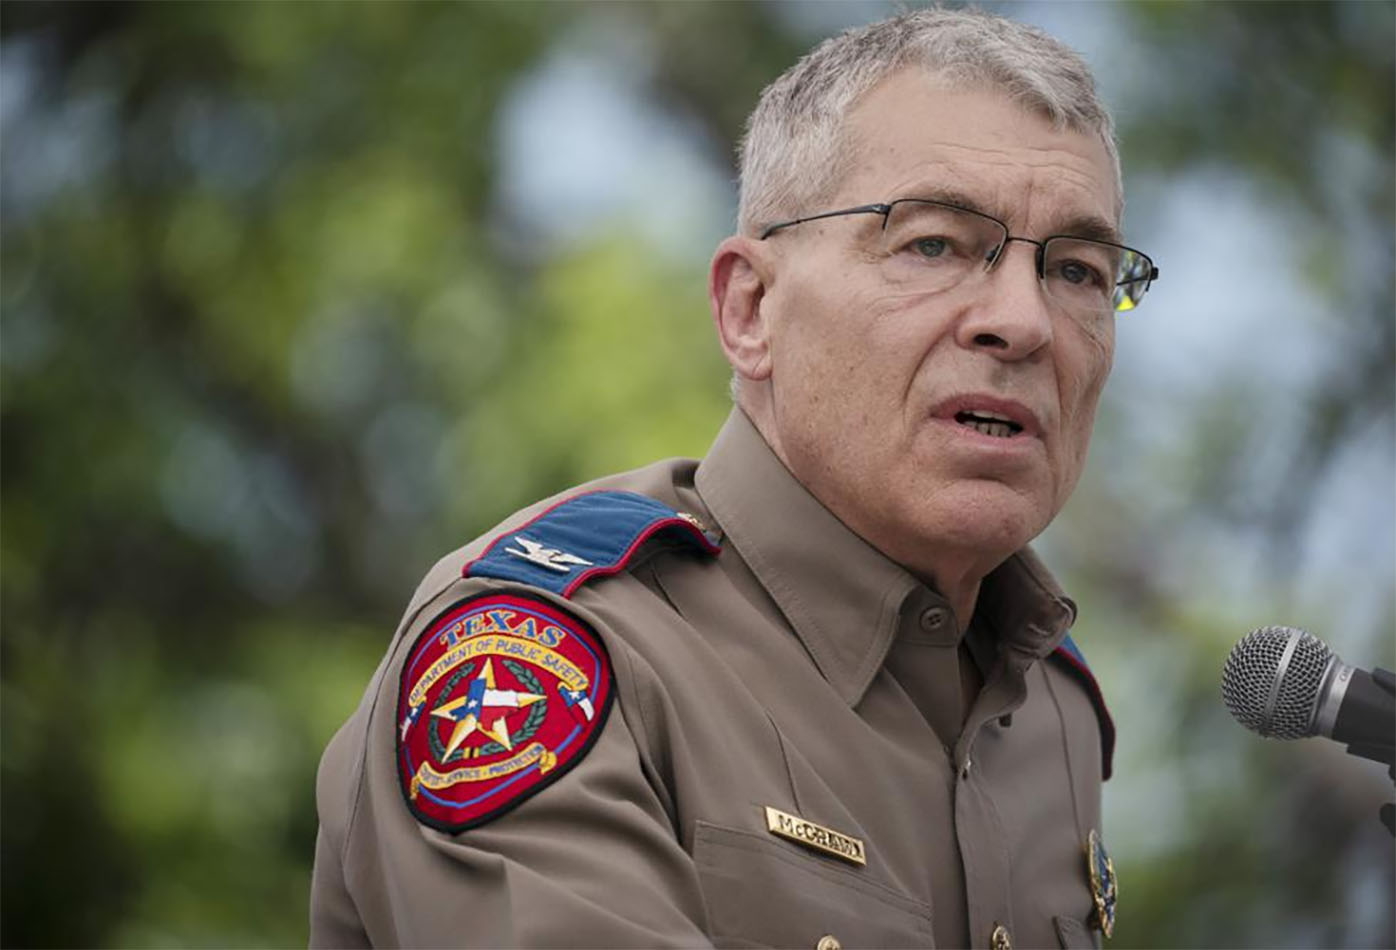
(1040, 256)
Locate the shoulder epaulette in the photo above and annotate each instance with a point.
(583, 537)
(1074, 661)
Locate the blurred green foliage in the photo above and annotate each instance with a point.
(271, 345)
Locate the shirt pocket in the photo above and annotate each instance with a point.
(761, 892)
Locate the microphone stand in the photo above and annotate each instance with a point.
(1381, 751)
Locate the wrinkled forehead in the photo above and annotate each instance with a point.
(1048, 200)
(916, 131)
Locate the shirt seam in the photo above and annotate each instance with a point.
(400, 638)
(1066, 751)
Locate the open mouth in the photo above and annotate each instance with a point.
(988, 423)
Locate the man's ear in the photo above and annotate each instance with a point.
(737, 283)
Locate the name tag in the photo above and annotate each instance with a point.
(817, 837)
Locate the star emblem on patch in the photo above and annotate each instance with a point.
(485, 710)
(500, 696)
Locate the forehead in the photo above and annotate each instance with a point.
(915, 133)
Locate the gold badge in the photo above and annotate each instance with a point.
(1104, 890)
(821, 839)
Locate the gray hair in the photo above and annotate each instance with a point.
(794, 153)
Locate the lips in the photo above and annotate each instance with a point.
(989, 415)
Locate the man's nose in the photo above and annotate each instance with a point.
(1009, 314)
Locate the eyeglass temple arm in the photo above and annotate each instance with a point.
(1148, 278)
(882, 209)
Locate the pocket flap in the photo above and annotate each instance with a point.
(763, 890)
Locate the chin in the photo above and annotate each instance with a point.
(992, 519)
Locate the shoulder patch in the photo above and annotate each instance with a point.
(584, 536)
(1075, 662)
(499, 697)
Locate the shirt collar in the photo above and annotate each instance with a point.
(844, 598)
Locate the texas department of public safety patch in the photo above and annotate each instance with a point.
(499, 697)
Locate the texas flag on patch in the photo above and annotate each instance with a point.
(576, 699)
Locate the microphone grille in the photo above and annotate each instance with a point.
(1250, 676)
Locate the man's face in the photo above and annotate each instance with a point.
(870, 383)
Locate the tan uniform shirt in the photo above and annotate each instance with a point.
(799, 670)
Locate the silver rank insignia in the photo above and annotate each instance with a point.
(1104, 890)
(551, 558)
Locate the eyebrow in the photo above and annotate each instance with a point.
(1086, 226)
(951, 196)
(1092, 228)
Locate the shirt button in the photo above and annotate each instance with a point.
(1000, 939)
(934, 618)
(828, 942)
(964, 774)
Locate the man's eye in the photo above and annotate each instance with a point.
(1074, 272)
(931, 246)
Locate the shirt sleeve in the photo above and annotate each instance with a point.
(590, 860)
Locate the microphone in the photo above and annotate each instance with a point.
(1287, 684)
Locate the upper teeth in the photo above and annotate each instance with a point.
(989, 415)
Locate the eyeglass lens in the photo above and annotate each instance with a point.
(929, 247)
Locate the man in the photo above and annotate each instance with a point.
(814, 691)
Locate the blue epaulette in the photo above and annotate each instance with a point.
(1070, 655)
(582, 537)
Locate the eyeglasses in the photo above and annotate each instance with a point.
(928, 246)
